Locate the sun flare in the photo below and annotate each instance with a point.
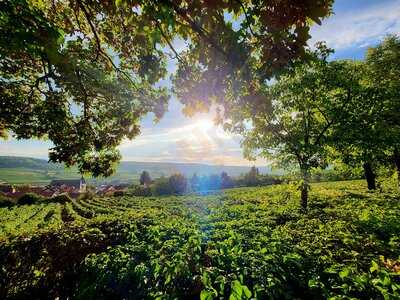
(204, 124)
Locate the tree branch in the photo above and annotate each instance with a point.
(197, 28)
(247, 18)
(88, 17)
(177, 56)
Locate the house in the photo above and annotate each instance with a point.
(105, 189)
(69, 185)
(22, 190)
(7, 188)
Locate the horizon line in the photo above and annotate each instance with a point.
(155, 162)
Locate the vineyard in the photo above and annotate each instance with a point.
(248, 243)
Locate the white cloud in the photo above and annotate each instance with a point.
(359, 28)
(197, 141)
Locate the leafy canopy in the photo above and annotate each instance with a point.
(83, 73)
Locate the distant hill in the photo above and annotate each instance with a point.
(19, 170)
(27, 162)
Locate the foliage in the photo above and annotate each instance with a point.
(240, 244)
(368, 132)
(178, 183)
(251, 178)
(118, 193)
(88, 194)
(293, 124)
(162, 187)
(141, 191)
(383, 75)
(62, 199)
(83, 73)
(5, 202)
(226, 181)
(29, 198)
(145, 178)
(58, 82)
(234, 52)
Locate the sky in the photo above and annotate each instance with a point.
(354, 26)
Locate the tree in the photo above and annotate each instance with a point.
(83, 73)
(226, 181)
(369, 129)
(264, 44)
(384, 75)
(251, 178)
(213, 182)
(58, 82)
(178, 183)
(294, 123)
(145, 178)
(195, 182)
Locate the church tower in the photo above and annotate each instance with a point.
(82, 185)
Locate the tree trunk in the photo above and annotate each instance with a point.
(304, 188)
(369, 175)
(397, 163)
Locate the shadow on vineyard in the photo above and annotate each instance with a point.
(242, 243)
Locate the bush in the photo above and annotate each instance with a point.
(6, 202)
(119, 193)
(141, 191)
(87, 195)
(29, 198)
(178, 184)
(62, 198)
(162, 187)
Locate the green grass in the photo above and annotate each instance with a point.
(21, 176)
(239, 244)
(31, 176)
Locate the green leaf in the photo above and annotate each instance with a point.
(344, 273)
(246, 291)
(374, 267)
(237, 290)
(206, 295)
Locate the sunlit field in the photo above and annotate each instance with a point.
(244, 243)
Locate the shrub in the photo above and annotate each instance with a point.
(119, 193)
(87, 195)
(6, 202)
(178, 183)
(162, 187)
(141, 191)
(226, 181)
(29, 198)
(62, 198)
(145, 178)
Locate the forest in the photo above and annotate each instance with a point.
(83, 74)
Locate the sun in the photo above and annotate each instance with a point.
(204, 124)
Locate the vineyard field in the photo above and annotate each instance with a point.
(244, 243)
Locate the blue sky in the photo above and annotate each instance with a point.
(354, 26)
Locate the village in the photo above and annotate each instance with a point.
(71, 187)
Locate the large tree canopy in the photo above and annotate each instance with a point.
(370, 130)
(262, 39)
(58, 82)
(295, 123)
(383, 63)
(83, 73)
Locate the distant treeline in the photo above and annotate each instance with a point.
(179, 184)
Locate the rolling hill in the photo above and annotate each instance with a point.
(21, 170)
